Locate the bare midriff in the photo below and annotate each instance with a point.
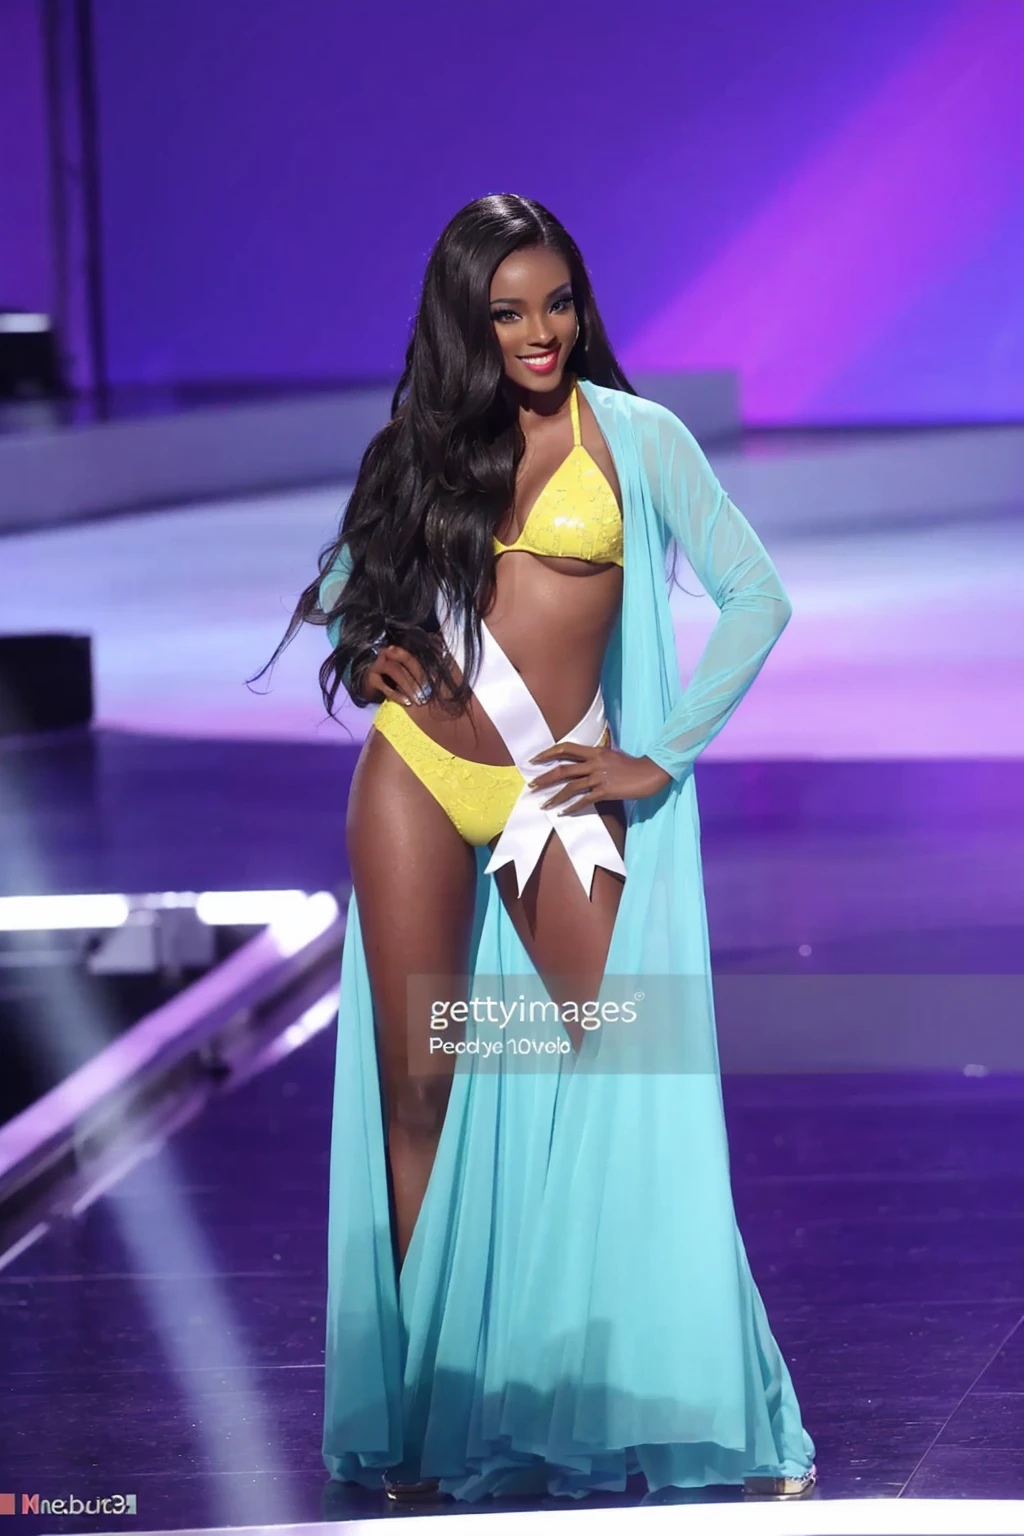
(553, 617)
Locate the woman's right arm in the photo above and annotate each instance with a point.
(393, 665)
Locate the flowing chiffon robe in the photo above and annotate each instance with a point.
(576, 1302)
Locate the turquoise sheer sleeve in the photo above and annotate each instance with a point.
(331, 587)
(735, 570)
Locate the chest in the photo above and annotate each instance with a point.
(567, 504)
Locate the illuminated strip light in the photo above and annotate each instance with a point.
(21, 323)
(25, 1241)
(316, 1018)
(254, 908)
(297, 926)
(25, 914)
(295, 917)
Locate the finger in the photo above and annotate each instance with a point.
(400, 653)
(402, 680)
(377, 679)
(574, 750)
(559, 775)
(581, 804)
(406, 678)
(570, 792)
(391, 692)
(404, 668)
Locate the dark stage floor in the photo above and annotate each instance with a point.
(117, 811)
(169, 1343)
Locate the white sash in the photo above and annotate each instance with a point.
(517, 717)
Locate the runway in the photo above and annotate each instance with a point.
(863, 816)
(170, 1342)
(905, 640)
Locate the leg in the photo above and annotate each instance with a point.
(415, 882)
(567, 935)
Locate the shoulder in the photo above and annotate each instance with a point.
(667, 453)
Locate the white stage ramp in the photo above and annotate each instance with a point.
(907, 638)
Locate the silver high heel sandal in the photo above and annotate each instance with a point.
(780, 1487)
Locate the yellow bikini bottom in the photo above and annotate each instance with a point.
(478, 797)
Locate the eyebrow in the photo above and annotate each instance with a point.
(566, 284)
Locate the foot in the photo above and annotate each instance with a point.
(412, 1493)
(780, 1487)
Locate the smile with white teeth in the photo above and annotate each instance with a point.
(539, 359)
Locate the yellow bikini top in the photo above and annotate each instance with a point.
(576, 513)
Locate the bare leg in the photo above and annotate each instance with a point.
(415, 880)
(567, 935)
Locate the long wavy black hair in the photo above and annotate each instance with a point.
(436, 481)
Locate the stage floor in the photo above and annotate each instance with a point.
(905, 640)
(170, 1342)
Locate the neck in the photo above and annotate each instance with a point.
(533, 404)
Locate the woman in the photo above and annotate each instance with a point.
(536, 1283)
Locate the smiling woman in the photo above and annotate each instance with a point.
(519, 323)
(536, 1281)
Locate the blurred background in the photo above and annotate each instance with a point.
(805, 228)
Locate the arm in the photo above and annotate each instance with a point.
(398, 680)
(734, 568)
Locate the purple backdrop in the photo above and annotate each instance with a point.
(827, 197)
(25, 255)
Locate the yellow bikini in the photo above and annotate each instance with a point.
(477, 796)
(576, 514)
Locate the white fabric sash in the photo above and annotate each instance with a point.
(517, 717)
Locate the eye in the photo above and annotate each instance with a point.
(500, 314)
(563, 303)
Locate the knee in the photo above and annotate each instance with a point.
(418, 1106)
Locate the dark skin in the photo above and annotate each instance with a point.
(530, 319)
(414, 875)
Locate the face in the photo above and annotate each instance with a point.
(534, 317)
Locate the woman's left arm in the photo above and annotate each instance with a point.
(736, 571)
(734, 567)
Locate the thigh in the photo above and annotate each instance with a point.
(566, 933)
(415, 882)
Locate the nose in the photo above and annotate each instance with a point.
(542, 336)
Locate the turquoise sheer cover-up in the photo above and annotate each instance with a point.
(576, 1303)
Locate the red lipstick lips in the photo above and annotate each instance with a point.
(545, 361)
